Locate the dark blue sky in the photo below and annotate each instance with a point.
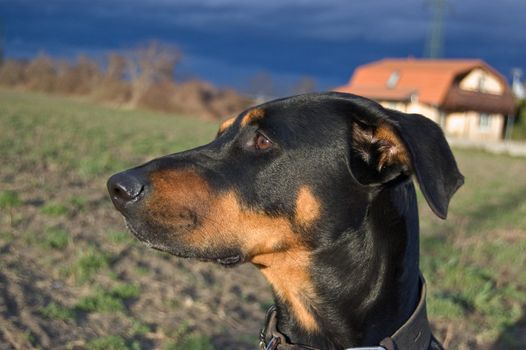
(228, 41)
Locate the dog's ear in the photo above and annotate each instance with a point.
(405, 144)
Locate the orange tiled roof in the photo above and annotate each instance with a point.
(431, 79)
(381, 92)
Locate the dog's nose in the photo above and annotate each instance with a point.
(124, 188)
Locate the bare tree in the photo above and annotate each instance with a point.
(116, 67)
(148, 65)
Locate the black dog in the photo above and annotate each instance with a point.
(316, 191)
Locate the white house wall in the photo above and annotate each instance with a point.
(426, 110)
(413, 107)
(457, 124)
(467, 125)
(491, 84)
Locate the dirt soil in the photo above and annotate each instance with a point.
(177, 297)
(72, 277)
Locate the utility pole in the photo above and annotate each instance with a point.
(518, 92)
(434, 45)
(516, 85)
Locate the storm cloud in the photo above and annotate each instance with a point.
(227, 41)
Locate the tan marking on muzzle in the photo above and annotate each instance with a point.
(269, 242)
(176, 193)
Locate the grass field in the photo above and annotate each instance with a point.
(72, 278)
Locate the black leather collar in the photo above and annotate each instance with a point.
(415, 333)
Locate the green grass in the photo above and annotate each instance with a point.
(88, 139)
(9, 199)
(120, 237)
(78, 202)
(100, 302)
(474, 261)
(139, 328)
(81, 143)
(191, 342)
(111, 342)
(57, 312)
(126, 291)
(54, 209)
(109, 300)
(90, 261)
(56, 238)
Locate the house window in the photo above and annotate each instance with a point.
(393, 79)
(484, 121)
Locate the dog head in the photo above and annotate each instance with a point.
(278, 178)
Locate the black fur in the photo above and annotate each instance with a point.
(365, 248)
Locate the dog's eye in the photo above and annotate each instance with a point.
(261, 142)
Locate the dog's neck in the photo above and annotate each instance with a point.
(365, 285)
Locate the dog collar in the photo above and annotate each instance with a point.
(414, 334)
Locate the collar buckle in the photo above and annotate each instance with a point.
(272, 344)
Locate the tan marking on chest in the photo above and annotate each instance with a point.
(288, 273)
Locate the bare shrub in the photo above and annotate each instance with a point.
(159, 97)
(195, 98)
(200, 98)
(13, 73)
(80, 78)
(148, 65)
(65, 81)
(117, 92)
(142, 78)
(114, 87)
(227, 102)
(41, 74)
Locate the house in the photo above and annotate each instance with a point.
(468, 98)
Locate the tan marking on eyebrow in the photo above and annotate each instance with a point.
(252, 115)
(225, 125)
